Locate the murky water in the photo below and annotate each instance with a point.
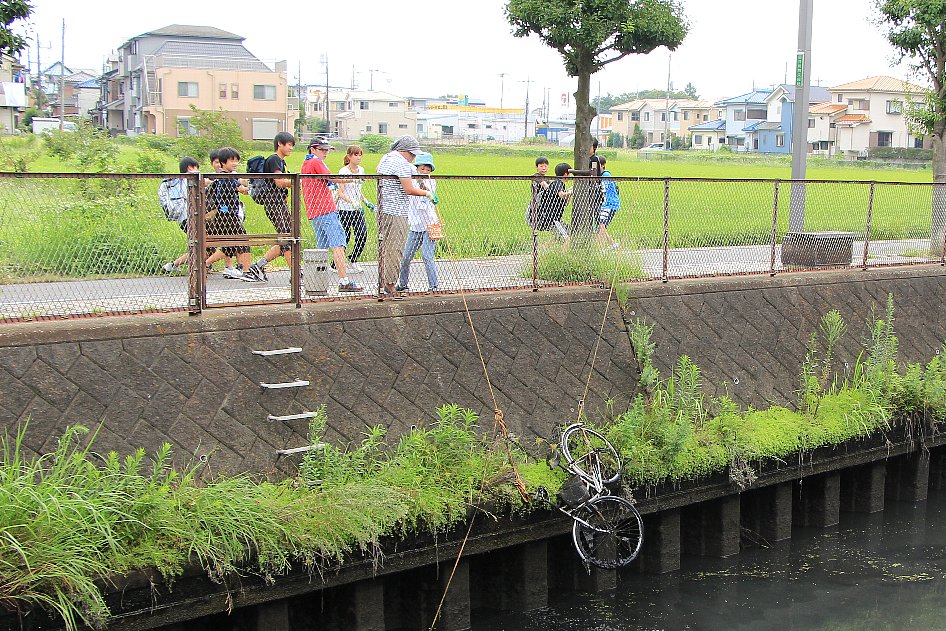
(885, 571)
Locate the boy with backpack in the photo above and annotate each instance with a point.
(225, 212)
(173, 195)
(273, 194)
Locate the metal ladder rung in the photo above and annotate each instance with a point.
(292, 417)
(299, 450)
(279, 351)
(298, 383)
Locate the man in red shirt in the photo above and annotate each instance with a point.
(321, 211)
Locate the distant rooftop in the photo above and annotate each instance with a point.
(879, 84)
(187, 30)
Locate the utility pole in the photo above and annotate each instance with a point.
(324, 60)
(667, 143)
(40, 92)
(371, 72)
(796, 215)
(300, 104)
(62, 78)
(502, 77)
(527, 82)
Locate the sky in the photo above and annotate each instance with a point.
(461, 47)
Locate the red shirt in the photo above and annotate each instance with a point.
(315, 192)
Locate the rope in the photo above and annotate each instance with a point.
(594, 355)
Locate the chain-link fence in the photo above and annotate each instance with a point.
(82, 245)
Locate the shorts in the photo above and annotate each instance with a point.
(605, 215)
(227, 225)
(328, 231)
(278, 215)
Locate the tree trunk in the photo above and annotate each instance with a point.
(584, 216)
(938, 233)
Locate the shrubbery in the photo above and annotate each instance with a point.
(375, 143)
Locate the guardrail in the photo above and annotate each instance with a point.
(79, 245)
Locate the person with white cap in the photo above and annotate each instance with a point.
(393, 206)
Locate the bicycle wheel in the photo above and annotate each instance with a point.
(588, 453)
(608, 532)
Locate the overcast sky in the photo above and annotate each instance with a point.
(462, 47)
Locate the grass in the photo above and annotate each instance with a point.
(67, 229)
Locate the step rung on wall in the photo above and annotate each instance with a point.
(298, 383)
(292, 417)
(299, 450)
(279, 351)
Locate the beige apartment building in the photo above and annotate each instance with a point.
(160, 74)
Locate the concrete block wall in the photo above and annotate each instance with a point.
(194, 382)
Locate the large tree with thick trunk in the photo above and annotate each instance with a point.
(590, 34)
(917, 31)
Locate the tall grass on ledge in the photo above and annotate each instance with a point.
(584, 262)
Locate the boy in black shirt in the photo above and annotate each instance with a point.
(274, 200)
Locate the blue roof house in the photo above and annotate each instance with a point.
(741, 112)
(774, 134)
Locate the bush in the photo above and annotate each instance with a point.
(157, 142)
(214, 130)
(615, 139)
(584, 263)
(900, 153)
(374, 143)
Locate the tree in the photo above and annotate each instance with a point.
(916, 30)
(10, 12)
(691, 92)
(636, 140)
(604, 103)
(590, 34)
(214, 129)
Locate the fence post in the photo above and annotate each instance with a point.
(666, 262)
(194, 245)
(378, 212)
(295, 270)
(774, 227)
(870, 212)
(535, 242)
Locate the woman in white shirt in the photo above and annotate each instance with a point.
(421, 214)
(349, 202)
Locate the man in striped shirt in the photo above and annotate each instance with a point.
(393, 205)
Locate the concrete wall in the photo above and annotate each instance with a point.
(194, 381)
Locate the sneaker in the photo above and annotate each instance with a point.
(233, 273)
(400, 288)
(355, 268)
(615, 246)
(257, 272)
(171, 268)
(350, 286)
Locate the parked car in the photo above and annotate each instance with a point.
(654, 146)
(43, 125)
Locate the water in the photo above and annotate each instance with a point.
(885, 571)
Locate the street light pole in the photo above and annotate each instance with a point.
(502, 81)
(796, 214)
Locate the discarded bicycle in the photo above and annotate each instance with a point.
(608, 530)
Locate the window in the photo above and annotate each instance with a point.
(402, 126)
(739, 115)
(222, 89)
(471, 125)
(686, 115)
(620, 116)
(184, 126)
(885, 139)
(705, 117)
(362, 105)
(917, 143)
(811, 123)
(264, 92)
(392, 104)
(860, 105)
(234, 90)
(895, 107)
(187, 88)
(709, 140)
(758, 114)
(382, 128)
(676, 116)
(635, 116)
(779, 140)
(755, 144)
(663, 117)
(368, 129)
(698, 139)
(646, 116)
(840, 98)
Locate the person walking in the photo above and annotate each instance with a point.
(421, 215)
(394, 205)
(350, 201)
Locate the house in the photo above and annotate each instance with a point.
(822, 126)
(78, 95)
(162, 73)
(696, 112)
(13, 98)
(472, 121)
(656, 118)
(874, 116)
(741, 114)
(356, 112)
(708, 136)
(774, 134)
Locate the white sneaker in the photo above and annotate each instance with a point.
(171, 268)
(356, 268)
(232, 272)
(614, 246)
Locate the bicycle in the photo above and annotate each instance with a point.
(608, 531)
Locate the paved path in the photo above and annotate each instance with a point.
(156, 293)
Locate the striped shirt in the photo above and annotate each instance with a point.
(393, 199)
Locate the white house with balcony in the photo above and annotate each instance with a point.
(874, 116)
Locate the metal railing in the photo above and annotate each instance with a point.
(79, 245)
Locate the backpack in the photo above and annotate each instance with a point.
(173, 204)
(256, 164)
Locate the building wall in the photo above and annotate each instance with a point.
(194, 382)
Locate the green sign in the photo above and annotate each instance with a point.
(800, 70)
